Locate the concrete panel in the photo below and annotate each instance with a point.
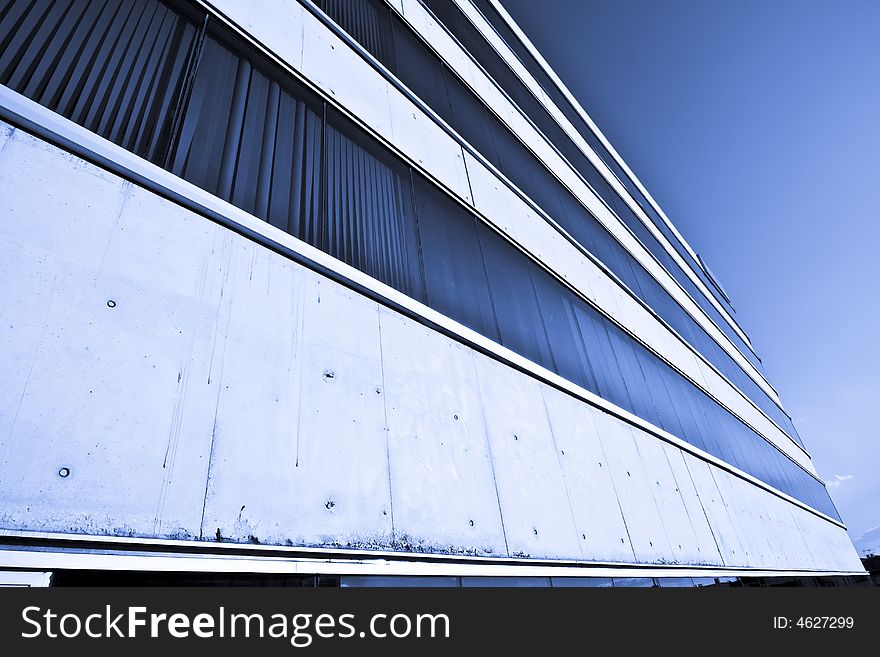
(816, 544)
(597, 516)
(704, 540)
(176, 266)
(668, 497)
(534, 501)
(515, 218)
(343, 456)
(346, 76)
(441, 447)
(324, 448)
(277, 24)
(89, 212)
(27, 276)
(844, 555)
(256, 399)
(628, 471)
(732, 507)
(829, 544)
(428, 144)
(781, 536)
(723, 530)
(120, 457)
(491, 197)
(782, 541)
(161, 245)
(739, 496)
(68, 477)
(790, 534)
(5, 133)
(601, 289)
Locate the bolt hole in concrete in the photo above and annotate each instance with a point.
(111, 303)
(64, 472)
(330, 504)
(329, 374)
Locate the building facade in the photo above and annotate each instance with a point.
(356, 289)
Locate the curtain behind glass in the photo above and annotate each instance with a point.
(370, 223)
(112, 66)
(250, 141)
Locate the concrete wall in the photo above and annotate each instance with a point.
(228, 392)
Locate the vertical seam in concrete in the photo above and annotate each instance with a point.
(302, 40)
(648, 478)
(8, 137)
(800, 532)
(219, 387)
(385, 427)
(562, 474)
(467, 177)
(298, 347)
(33, 360)
(616, 496)
(125, 192)
(705, 513)
(491, 456)
(699, 501)
(724, 505)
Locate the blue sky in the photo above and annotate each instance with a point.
(756, 127)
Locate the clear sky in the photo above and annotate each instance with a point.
(755, 124)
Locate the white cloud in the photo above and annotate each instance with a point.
(838, 479)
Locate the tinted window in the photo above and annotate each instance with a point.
(114, 67)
